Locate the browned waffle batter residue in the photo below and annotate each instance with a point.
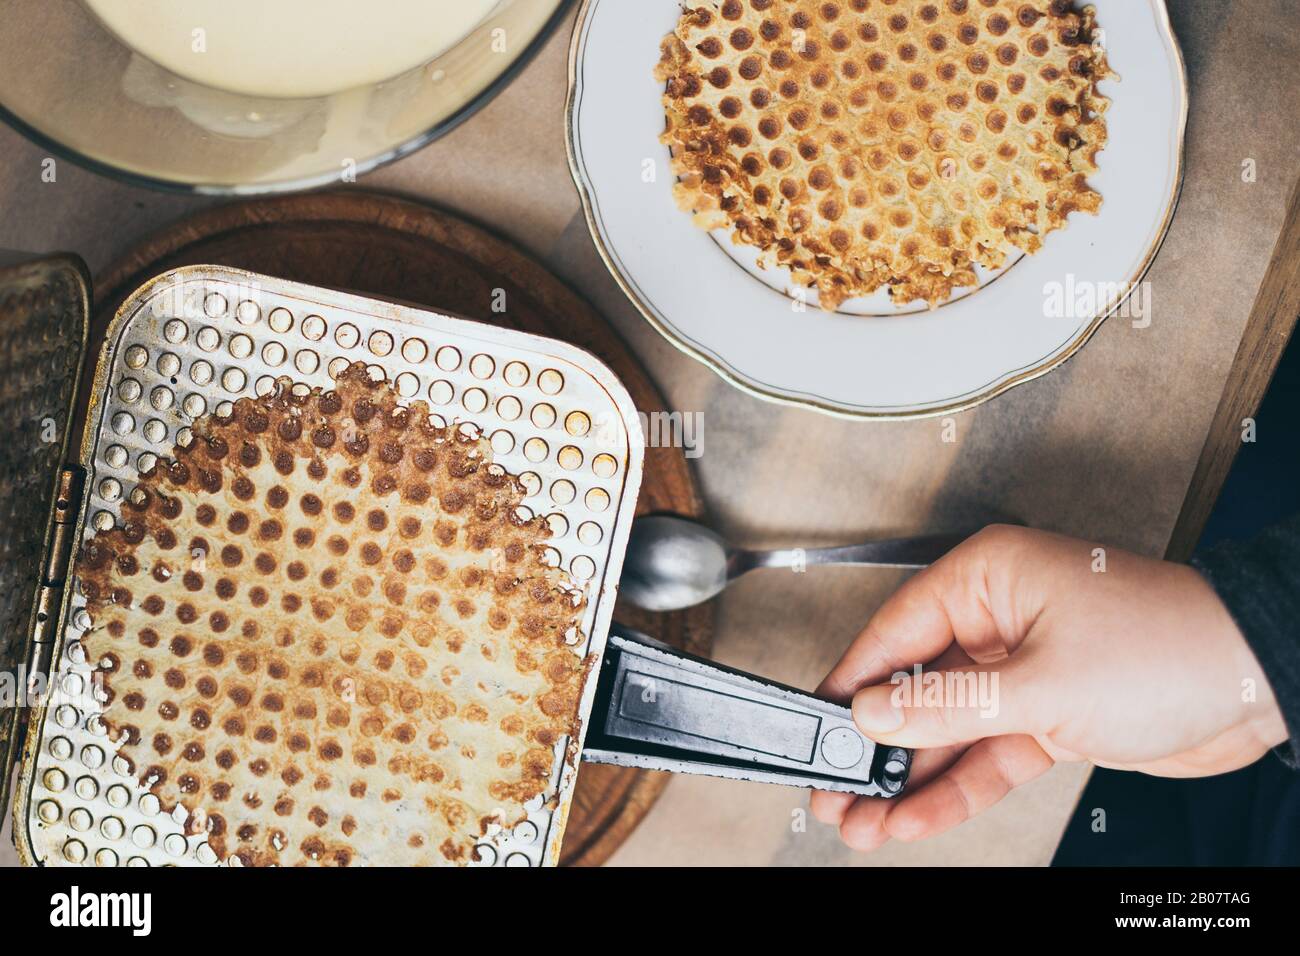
(327, 633)
(896, 144)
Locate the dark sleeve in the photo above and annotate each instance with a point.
(1259, 581)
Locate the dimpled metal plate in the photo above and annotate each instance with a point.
(42, 335)
(43, 319)
(196, 340)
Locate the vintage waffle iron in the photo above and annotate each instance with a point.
(651, 706)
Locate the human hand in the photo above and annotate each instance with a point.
(1138, 666)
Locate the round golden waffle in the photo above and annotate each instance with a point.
(894, 143)
(327, 632)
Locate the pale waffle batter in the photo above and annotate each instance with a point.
(884, 143)
(328, 634)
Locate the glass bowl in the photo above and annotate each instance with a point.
(69, 83)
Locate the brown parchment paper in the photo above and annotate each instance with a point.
(1103, 447)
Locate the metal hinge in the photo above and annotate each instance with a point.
(54, 573)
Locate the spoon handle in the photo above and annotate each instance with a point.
(891, 553)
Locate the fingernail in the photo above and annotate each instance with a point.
(874, 711)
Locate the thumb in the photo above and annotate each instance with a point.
(953, 705)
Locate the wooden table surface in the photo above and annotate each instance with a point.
(1105, 447)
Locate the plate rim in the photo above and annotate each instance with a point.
(790, 398)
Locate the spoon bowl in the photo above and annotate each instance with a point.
(672, 563)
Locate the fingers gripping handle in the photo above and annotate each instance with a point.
(661, 709)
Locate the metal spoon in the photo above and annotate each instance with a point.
(674, 563)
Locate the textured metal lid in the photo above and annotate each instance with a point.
(44, 312)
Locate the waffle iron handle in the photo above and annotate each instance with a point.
(661, 709)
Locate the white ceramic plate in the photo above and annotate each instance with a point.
(711, 301)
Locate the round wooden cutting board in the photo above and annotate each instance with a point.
(391, 248)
